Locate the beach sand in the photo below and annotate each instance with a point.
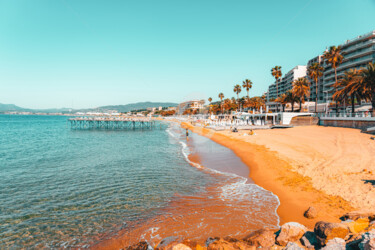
(314, 166)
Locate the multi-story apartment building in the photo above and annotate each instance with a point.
(317, 59)
(286, 83)
(193, 105)
(357, 52)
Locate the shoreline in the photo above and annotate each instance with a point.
(295, 192)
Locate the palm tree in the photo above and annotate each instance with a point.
(221, 96)
(276, 72)
(291, 98)
(368, 76)
(350, 85)
(334, 58)
(301, 89)
(237, 89)
(247, 84)
(283, 99)
(315, 71)
(210, 100)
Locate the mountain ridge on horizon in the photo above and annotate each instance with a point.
(119, 108)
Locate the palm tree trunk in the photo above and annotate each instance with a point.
(292, 103)
(248, 94)
(316, 95)
(337, 110)
(238, 103)
(300, 105)
(352, 104)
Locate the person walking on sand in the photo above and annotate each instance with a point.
(187, 134)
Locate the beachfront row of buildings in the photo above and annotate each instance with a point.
(357, 53)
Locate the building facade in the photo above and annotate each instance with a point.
(193, 105)
(317, 59)
(286, 83)
(357, 53)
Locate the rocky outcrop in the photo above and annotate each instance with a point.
(358, 225)
(335, 244)
(359, 214)
(143, 245)
(326, 231)
(356, 232)
(368, 241)
(261, 238)
(311, 213)
(290, 232)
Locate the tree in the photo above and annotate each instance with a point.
(368, 78)
(334, 58)
(247, 84)
(291, 98)
(351, 86)
(221, 96)
(315, 71)
(276, 72)
(283, 99)
(237, 89)
(301, 89)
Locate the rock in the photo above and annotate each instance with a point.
(371, 226)
(229, 244)
(181, 246)
(292, 246)
(168, 242)
(290, 232)
(359, 214)
(357, 226)
(335, 244)
(261, 238)
(143, 245)
(368, 241)
(311, 213)
(306, 243)
(220, 244)
(326, 231)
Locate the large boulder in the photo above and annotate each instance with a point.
(335, 244)
(290, 232)
(311, 213)
(358, 225)
(261, 238)
(292, 246)
(143, 245)
(359, 214)
(221, 244)
(181, 246)
(368, 241)
(326, 231)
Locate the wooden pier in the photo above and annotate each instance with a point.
(111, 123)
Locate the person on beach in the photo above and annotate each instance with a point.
(187, 134)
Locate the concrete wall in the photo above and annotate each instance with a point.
(286, 117)
(360, 123)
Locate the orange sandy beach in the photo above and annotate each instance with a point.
(308, 166)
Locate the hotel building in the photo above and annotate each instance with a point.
(286, 83)
(357, 53)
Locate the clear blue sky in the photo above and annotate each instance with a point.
(81, 53)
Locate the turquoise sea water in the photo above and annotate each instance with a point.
(60, 187)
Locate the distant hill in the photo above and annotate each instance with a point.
(12, 107)
(119, 108)
(136, 106)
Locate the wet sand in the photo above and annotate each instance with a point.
(270, 170)
(228, 207)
